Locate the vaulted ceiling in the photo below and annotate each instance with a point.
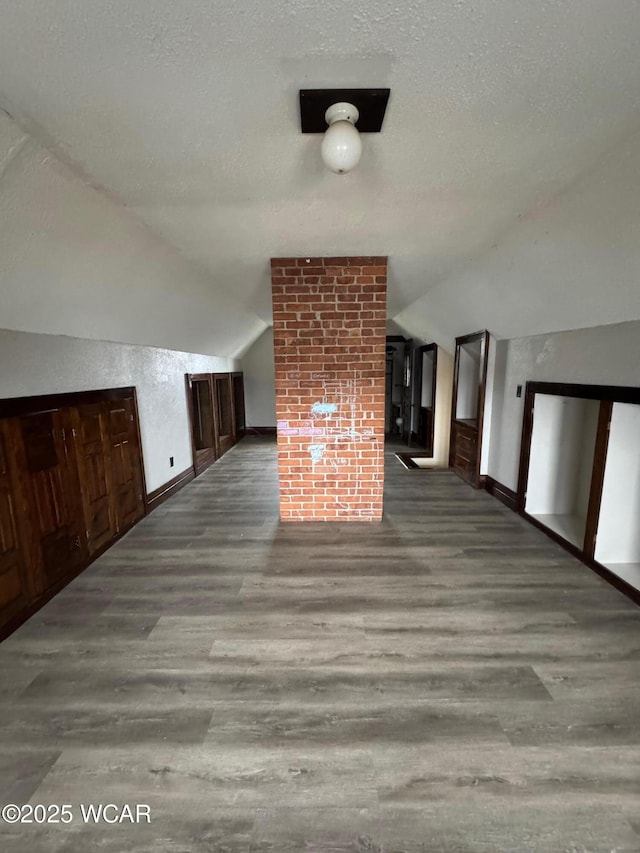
(503, 187)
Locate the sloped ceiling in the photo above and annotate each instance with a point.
(506, 123)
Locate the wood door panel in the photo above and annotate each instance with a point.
(14, 587)
(126, 470)
(464, 444)
(71, 478)
(238, 405)
(95, 474)
(55, 515)
(223, 401)
(48, 492)
(39, 442)
(61, 552)
(11, 589)
(202, 416)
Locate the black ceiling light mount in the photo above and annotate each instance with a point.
(341, 115)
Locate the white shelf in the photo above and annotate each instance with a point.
(570, 527)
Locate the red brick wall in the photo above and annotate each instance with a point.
(329, 323)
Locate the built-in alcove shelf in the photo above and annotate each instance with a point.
(580, 474)
(467, 409)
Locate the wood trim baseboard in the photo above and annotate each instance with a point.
(614, 393)
(162, 493)
(503, 493)
(260, 430)
(607, 575)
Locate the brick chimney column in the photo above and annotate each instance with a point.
(329, 322)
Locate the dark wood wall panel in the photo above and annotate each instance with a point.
(215, 402)
(71, 481)
(14, 581)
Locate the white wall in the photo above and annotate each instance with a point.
(604, 355)
(75, 262)
(619, 526)
(260, 382)
(48, 364)
(569, 260)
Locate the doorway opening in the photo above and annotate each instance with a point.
(410, 393)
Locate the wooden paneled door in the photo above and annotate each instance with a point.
(126, 465)
(200, 403)
(238, 405)
(14, 580)
(71, 480)
(223, 397)
(96, 478)
(45, 453)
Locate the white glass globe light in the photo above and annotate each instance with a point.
(341, 145)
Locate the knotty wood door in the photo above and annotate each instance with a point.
(71, 480)
(238, 405)
(223, 396)
(46, 459)
(15, 590)
(200, 400)
(96, 479)
(126, 468)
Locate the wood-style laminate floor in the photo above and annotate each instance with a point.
(447, 680)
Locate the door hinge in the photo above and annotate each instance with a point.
(130, 417)
(86, 533)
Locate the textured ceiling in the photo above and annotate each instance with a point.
(187, 114)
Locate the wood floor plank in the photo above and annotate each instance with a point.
(447, 681)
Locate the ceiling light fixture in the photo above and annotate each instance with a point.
(341, 109)
(341, 144)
